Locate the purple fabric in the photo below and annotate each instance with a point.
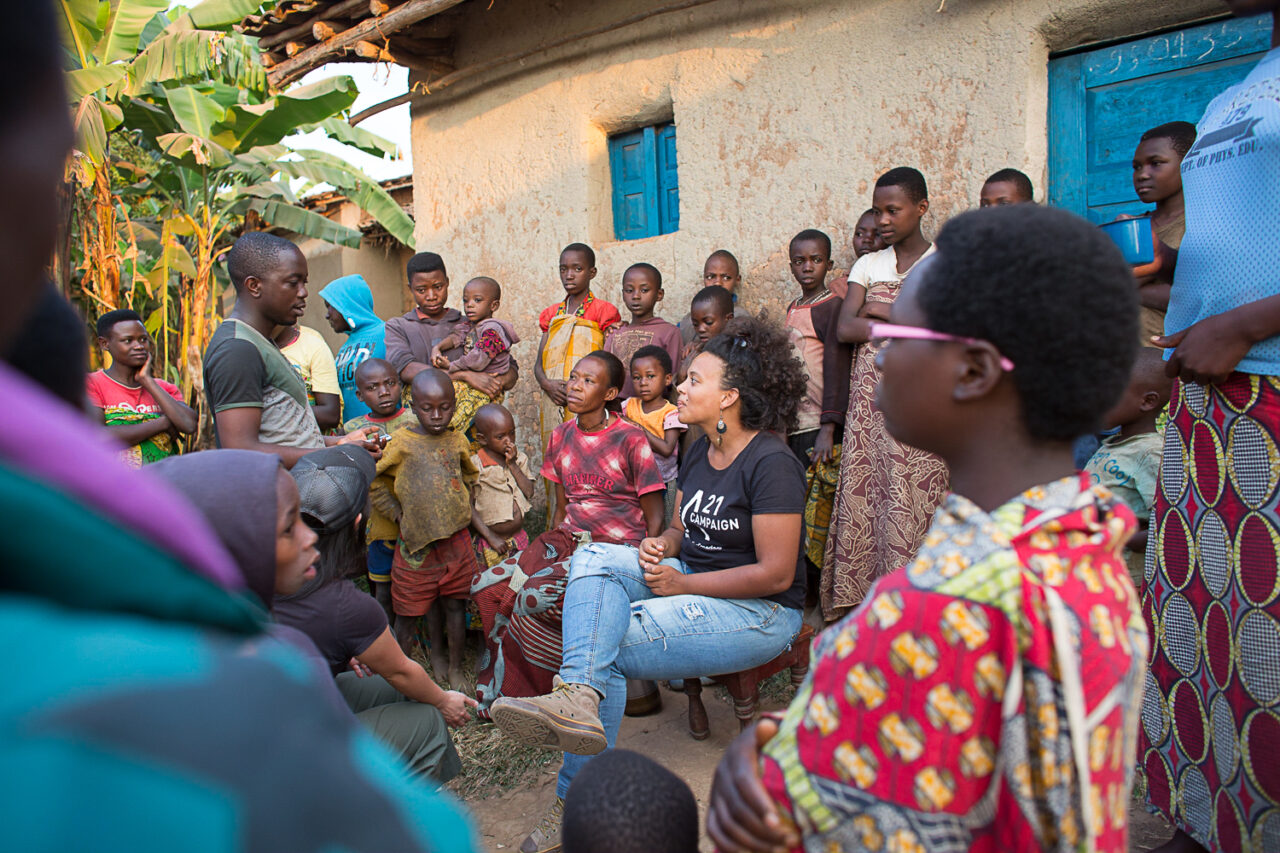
(42, 437)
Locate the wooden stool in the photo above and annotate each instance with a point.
(745, 686)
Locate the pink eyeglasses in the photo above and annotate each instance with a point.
(889, 331)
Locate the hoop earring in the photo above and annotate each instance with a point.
(720, 431)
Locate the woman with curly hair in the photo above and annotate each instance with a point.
(720, 590)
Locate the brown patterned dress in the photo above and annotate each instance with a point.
(888, 491)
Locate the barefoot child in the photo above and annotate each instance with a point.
(1157, 179)
(485, 341)
(819, 431)
(1128, 461)
(570, 329)
(424, 485)
(721, 268)
(143, 413)
(987, 695)
(485, 344)
(1007, 186)
(378, 390)
(887, 490)
(412, 338)
(812, 318)
(641, 292)
(650, 410)
(503, 490)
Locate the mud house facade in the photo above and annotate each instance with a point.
(660, 130)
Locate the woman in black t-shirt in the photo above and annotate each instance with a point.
(721, 590)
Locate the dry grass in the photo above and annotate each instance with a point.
(491, 762)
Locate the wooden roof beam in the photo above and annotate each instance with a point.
(337, 10)
(393, 21)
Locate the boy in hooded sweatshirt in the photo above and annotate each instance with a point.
(348, 305)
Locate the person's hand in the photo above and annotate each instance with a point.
(509, 453)
(557, 390)
(1205, 352)
(1160, 270)
(454, 706)
(440, 362)
(874, 311)
(824, 445)
(663, 579)
(359, 669)
(741, 815)
(485, 383)
(359, 437)
(499, 545)
(652, 551)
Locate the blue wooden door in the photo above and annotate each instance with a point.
(1101, 102)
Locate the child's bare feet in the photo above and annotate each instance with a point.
(457, 681)
(439, 664)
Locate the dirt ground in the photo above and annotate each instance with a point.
(505, 820)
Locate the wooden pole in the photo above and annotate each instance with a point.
(397, 19)
(338, 10)
(480, 67)
(323, 31)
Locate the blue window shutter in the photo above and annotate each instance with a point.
(634, 178)
(668, 181)
(1101, 102)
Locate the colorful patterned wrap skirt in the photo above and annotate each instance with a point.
(1210, 734)
(522, 625)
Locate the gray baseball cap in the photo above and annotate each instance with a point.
(334, 485)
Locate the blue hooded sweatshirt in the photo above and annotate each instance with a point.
(350, 296)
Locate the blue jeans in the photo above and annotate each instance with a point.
(615, 628)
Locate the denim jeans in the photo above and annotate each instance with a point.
(615, 628)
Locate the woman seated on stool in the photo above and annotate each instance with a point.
(719, 591)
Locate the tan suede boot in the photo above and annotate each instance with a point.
(567, 719)
(545, 837)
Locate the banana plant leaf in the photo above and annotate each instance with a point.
(85, 81)
(195, 113)
(246, 126)
(180, 57)
(367, 194)
(214, 14)
(300, 221)
(356, 137)
(83, 23)
(128, 19)
(194, 152)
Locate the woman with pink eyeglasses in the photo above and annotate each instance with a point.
(888, 490)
